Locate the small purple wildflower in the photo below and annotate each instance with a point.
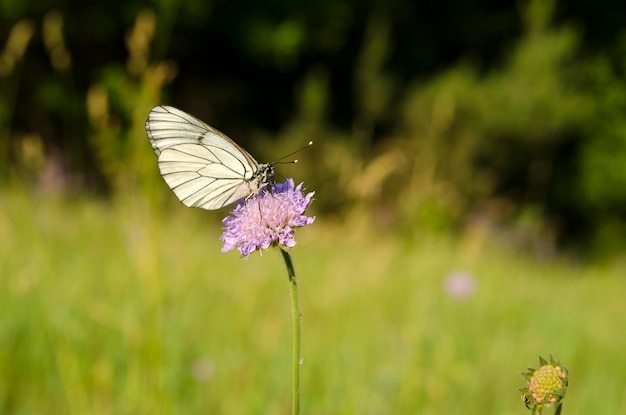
(267, 218)
(460, 284)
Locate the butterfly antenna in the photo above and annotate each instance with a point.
(279, 161)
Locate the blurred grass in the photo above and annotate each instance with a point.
(530, 142)
(116, 308)
(128, 307)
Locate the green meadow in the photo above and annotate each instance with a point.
(470, 202)
(116, 307)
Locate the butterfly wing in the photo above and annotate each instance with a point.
(201, 165)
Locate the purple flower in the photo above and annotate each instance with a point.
(460, 284)
(268, 218)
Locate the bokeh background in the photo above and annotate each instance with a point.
(470, 175)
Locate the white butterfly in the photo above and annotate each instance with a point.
(203, 167)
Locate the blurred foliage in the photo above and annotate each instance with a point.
(117, 308)
(492, 145)
(480, 118)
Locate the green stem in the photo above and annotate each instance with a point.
(295, 309)
(547, 409)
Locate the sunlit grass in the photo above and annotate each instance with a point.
(121, 308)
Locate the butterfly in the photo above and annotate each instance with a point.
(202, 166)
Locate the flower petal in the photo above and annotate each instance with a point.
(269, 217)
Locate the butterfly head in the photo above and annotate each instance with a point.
(265, 175)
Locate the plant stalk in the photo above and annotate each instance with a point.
(295, 309)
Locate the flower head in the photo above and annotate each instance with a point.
(267, 218)
(460, 285)
(546, 385)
